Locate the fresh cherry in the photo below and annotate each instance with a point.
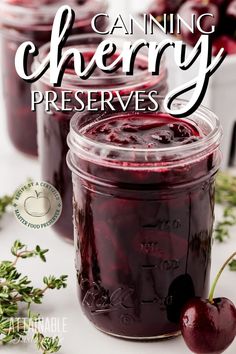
(81, 2)
(217, 2)
(224, 20)
(231, 10)
(161, 7)
(226, 42)
(209, 326)
(198, 7)
(230, 19)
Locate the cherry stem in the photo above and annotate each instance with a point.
(211, 295)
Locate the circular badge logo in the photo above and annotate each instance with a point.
(37, 205)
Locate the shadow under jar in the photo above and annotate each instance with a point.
(143, 187)
(32, 20)
(53, 126)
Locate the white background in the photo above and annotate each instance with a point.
(80, 336)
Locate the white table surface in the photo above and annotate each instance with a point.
(79, 336)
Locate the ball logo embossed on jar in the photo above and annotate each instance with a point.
(99, 301)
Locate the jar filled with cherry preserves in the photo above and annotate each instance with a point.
(31, 20)
(54, 125)
(143, 190)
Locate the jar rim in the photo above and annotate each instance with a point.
(77, 141)
(43, 14)
(143, 77)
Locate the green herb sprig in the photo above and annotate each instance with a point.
(5, 202)
(16, 290)
(232, 265)
(226, 196)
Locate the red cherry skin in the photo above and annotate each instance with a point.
(197, 7)
(226, 42)
(229, 22)
(217, 2)
(161, 7)
(208, 328)
(231, 9)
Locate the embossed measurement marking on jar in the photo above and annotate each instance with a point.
(162, 301)
(152, 248)
(165, 264)
(163, 224)
(152, 293)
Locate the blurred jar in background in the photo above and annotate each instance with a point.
(54, 126)
(31, 20)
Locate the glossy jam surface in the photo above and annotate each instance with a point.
(147, 131)
(143, 234)
(53, 129)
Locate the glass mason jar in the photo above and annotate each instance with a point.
(54, 126)
(143, 220)
(31, 20)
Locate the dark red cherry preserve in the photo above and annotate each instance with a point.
(143, 215)
(31, 20)
(53, 126)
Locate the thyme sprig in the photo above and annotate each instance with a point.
(5, 202)
(16, 290)
(232, 265)
(223, 227)
(226, 196)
